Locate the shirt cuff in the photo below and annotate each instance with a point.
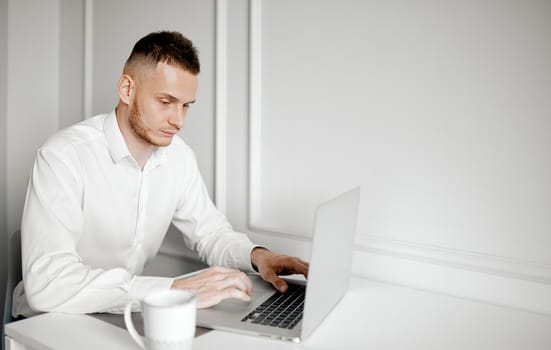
(245, 263)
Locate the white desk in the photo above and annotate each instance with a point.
(372, 315)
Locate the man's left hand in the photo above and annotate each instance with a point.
(271, 265)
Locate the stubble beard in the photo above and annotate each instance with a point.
(139, 128)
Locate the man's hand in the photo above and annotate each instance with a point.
(271, 265)
(216, 284)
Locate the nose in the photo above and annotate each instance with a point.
(178, 118)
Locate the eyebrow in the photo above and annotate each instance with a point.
(172, 98)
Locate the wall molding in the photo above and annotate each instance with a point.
(499, 280)
(220, 155)
(454, 258)
(255, 102)
(394, 258)
(255, 126)
(88, 57)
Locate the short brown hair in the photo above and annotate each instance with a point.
(168, 47)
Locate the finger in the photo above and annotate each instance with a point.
(305, 263)
(208, 299)
(242, 280)
(304, 267)
(214, 297)
(301, 267)
(280, 284)
(273, 278)
(248, 283)
(292, 265)
(201, 278)
(223, 273)
(238, 281)
(236, 294)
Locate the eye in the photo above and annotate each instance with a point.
(165, 101)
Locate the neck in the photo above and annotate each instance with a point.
(138, 148)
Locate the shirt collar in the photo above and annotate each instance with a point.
(117, 146)
(115, 141)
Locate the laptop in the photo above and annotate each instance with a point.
(306, 303)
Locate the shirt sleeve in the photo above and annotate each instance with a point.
(206, 229)
(54, 275)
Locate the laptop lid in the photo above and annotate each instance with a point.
(328, 277)
(331, 257)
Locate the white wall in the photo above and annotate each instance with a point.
(439, 109)
(82, 46)
(32, 96)
(29, 68)
(71, 62)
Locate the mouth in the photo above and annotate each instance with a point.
(168, 133)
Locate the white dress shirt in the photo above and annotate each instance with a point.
(93, 219)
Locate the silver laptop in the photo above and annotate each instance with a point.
(294, 315)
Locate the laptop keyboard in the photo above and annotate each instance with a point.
(283, 310)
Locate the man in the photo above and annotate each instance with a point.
(104, 191)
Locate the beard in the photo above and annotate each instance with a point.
(140, 129)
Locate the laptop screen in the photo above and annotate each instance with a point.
(331, 257)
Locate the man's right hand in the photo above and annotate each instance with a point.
(216, 284)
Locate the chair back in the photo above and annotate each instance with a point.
(14, 276)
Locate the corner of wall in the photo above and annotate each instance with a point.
(3, 217)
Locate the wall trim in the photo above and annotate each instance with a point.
(255, 130)
(220, 155)
(468, 260)
(88, 57)
(255, 123)
(524, 284)
(255, 83)
(479, 277)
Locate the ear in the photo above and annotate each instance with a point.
(125, 88)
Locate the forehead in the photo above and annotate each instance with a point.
(165, 78)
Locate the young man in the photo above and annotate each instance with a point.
(104, 191)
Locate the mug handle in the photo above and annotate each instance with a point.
(130, 325)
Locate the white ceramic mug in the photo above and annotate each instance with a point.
(168, 320)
